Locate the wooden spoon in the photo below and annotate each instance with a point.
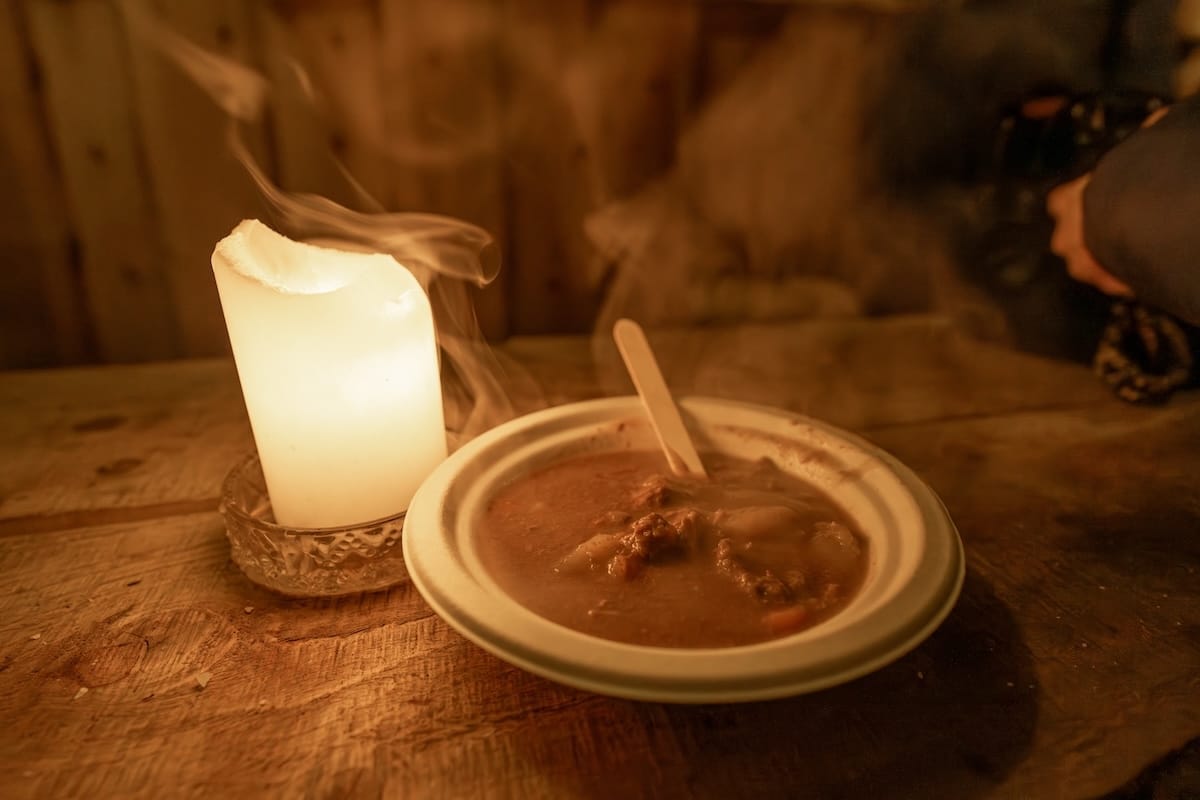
(656, 397)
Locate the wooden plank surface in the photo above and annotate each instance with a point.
(302, 134)
(42, 315)
(104, 440)
(324, 59)
(200, 191)
(523, 117)
(549, 186)
(443, 116)
(595, 95)
(128, 450)
(630, 88)
(1080, 531)
(1069, 664)
(84, 56)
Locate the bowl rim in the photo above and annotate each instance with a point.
(440, 562)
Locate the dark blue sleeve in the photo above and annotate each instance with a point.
(1141, 213)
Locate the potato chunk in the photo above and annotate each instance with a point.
(835, 551)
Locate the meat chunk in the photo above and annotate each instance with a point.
(693, 525)
(623, 555)
(765, 585)
(624, 566)
(655, 492)
(650, 536)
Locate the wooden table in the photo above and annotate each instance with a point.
(1070, 665)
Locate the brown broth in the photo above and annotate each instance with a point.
(790, 561)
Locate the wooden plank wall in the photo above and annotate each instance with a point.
(522, 116)
(42, 315)
(90, 109)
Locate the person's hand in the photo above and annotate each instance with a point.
(1065, 204)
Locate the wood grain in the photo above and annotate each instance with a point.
(302, 134)
(1068, 665)
(597, 95)
(533, 121)
(94, 439)
(334, 112)
(43, 319)
(200, 191)
(443, 115)
(549, 187)
(89, 101)
(1084, 523)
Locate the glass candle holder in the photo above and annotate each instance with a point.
(306, 562)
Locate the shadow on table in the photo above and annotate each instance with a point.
(1154, 540)
(952, 718)
(958, 713)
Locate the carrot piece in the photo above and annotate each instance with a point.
(786, 620)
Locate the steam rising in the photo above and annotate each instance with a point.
(446, 255)
(832, 176)
(828, 178)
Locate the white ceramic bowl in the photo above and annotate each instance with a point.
(913, 579)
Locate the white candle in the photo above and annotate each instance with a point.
(338, 363)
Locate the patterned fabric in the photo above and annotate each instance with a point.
(1144, 355)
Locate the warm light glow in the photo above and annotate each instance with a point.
(338, 364)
